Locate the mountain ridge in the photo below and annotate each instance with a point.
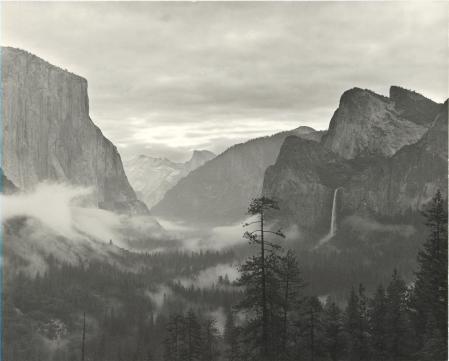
(219, 191)
(377, 187)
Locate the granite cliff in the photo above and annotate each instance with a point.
(367, 124)
(48, 134)
(306, 174)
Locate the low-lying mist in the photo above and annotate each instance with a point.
(68, 212)
(209, 277)
(61, 220)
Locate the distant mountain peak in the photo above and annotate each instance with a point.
(152, 177)
(202, 153)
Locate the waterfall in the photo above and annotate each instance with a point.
(333, 226)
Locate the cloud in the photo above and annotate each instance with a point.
(49, 203)
(366, 225)
(197, 237)
(209, 277)
(58, 219)
(158, 72)
(159, 295)
(219, 316)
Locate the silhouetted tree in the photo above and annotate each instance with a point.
(258, 276)
(291, 284)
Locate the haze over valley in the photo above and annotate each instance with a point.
(173, 185)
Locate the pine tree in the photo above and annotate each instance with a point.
(210, 340)
(434, 348)
(429, 299)
(352, 325)
(357, 325)
(314, 314)
(258, 276)
(231, 338)
(291, 285)
(333, 330)
(378, 325)
(396, 318)
(363, 331)
(173, 340)
(192, 349)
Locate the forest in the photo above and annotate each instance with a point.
(100, 312)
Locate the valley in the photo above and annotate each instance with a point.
(122, 251)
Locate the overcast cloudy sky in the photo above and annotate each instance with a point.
(167, 78)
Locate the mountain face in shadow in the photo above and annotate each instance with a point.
(219, 191)
(49, 136)
(305, 176)
(379, 150)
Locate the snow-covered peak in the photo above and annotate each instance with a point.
(152, 177)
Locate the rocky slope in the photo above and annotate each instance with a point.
(152, 177)
(49, 136)
(305, 175)
(219, 191)
(368, 124)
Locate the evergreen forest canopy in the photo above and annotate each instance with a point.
(99, 312)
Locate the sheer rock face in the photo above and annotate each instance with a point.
(152, 177)
(406, 181)
(367, 124)
(305, 175)
(219, 191)
(49, 136)
(303, 180)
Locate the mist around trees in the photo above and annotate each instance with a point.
(99, 312)
(274, 320)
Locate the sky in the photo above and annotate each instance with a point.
(166, 78)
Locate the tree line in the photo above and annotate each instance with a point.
(269, 314)
(274, 321)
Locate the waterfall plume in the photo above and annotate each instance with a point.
(333, 224)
